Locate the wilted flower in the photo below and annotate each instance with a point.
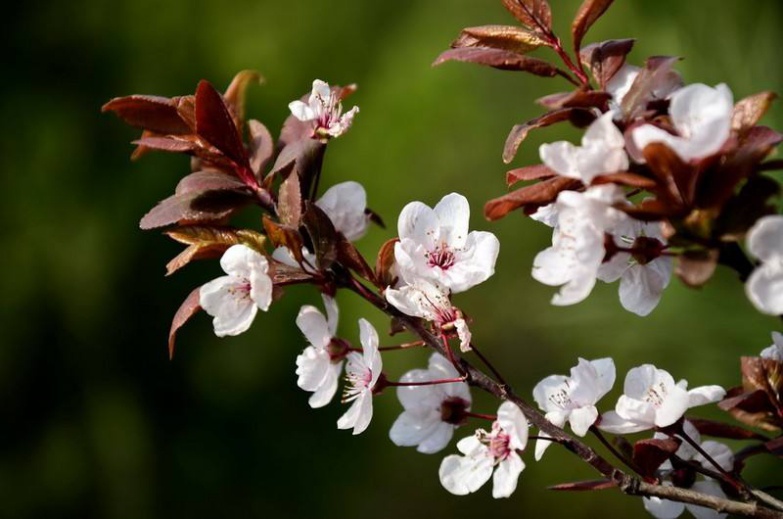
(486, 452)
(652, 399)
(361, 374)
(432, 412)
(765, 285)
(325, 110)
(318, 372)
(435, 245)
(234, 300)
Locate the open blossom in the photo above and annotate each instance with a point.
(577, 249)
(317, 371)
(435, 245)
(775, 351)
(718, 452)
(652, 399)
(324, 108)
(572, 399)
(765, 285)
(361, 374)
(432, 412)
(430, 301)
(486, 452)
(623, 80)
(233, 300)
(701, 115)
(602, 152)
(641, 281)
(345, 205)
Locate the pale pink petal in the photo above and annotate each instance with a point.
(301, 111)
(705, 395)
(542, 444)
(313, 325)
(227, 300)
(358, 415)
(673, 407)
(372, 357)
(504, 480)
(582, 418)
(462, 475)
(560, 157)
(663, 508)
(345, 205)
(312, 366)
(453, 212)
(612, 422)
(513, 421)
(418, 222)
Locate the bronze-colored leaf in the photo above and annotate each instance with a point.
(589, 12)
(724, 430)
(154, 113)
(195, 252)
(520, 132)
(173, 144)
(499, 59)
(657, 71)
(580, 486)
(535, 172)
(215, 124)
(208, 180)
(206, 206)
(535, 195)
(605, 58)
(384, 264)
(189, 307)
(505, 37)
(289, 201)
(282, 236)
(349, 256)
(286, 275)
(625, 178)
(677, 180)
(649, 454)
(262, 146)
(204, 235)
(752, 408)
(322, 234)
(576, 99)
(696, 267)
(535, 14)
(302, 157)
(749, 111)
(237, 90)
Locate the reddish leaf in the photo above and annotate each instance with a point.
(187, 309)
(755, 199)
(749, 111)
(286, 275)
(215, 124)
(289, 202)
(384, 264)
(519, 133)
(172, 144)
(775, 446)
(535, 14)
(599, 484)
(210, 242)
(589, 12)
(157, 114)
(505, 37)
(322, 234)
(536, 172)
(625, 178)
(649, 454)
(208, 180)
(648, 210)
(676, 179)
(499, 59)
(723, 430)
(604, 59)
(206, 206)
(656, 72)
(575, 99)
(302, 157)
(195, 252)
(262, 146)
(349, 256)
(752, 408)
(535, 195)
(695, 268)
(282, 236)
(236, 92)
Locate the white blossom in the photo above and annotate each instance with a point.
(775, 351)
(324, 108)
(641, 284)
(623, 80)
(233, 300)
(432, 412)
(602, 152)
(572, 399)
(486, 452)
(345, 205)
(317, 371)
(361, 374)
(435, 245)
(701, 115)
(765, 285)
(652, 399)
(577, 249)
(283, 255)
(430, 301)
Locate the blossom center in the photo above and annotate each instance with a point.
(656, 394)
(561, 398)
(240, 290)
(442, 257)
(453, 409)
(358, 380)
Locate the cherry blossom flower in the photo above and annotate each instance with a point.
(775, 351)
(345, 205)
(577, 249)
(602, 151)
(316, 368)
(488, 452)
(361, 374)
(623, 80)
(430, 301)
(652, 399)
(701, 115)
(765, 285)
(641, 281)
(432, 412)
(325, 110)
(435, 245)
(233, 300)
(284, 256)
(572, 399)
(718, 452)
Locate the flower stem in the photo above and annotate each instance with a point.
(403, 346)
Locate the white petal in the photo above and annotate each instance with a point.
(463, 332)
(705, 395)
(663, 508)
(621, 82)
(546, 388)
(764, 288)
(419, 223)
(321, 90)
(504, 481)
(313, 325)
(437, 439)
(372, 357)
(227, 300)
(561, 158)
(719, 452)
(240, 260)
(513, 421)
(765, 238)
(612, 422)
(409, 429)
(641, 286)
(542, 444)
(358, 415)
(673, 407)
(345, 205)
(462, 475)
(474, 263)
(311, 367)
(325, 392)
(453, 212)
(301, 111)
(582, 418)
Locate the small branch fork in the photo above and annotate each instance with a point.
(627, 483)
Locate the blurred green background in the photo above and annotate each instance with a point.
(99, 423)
